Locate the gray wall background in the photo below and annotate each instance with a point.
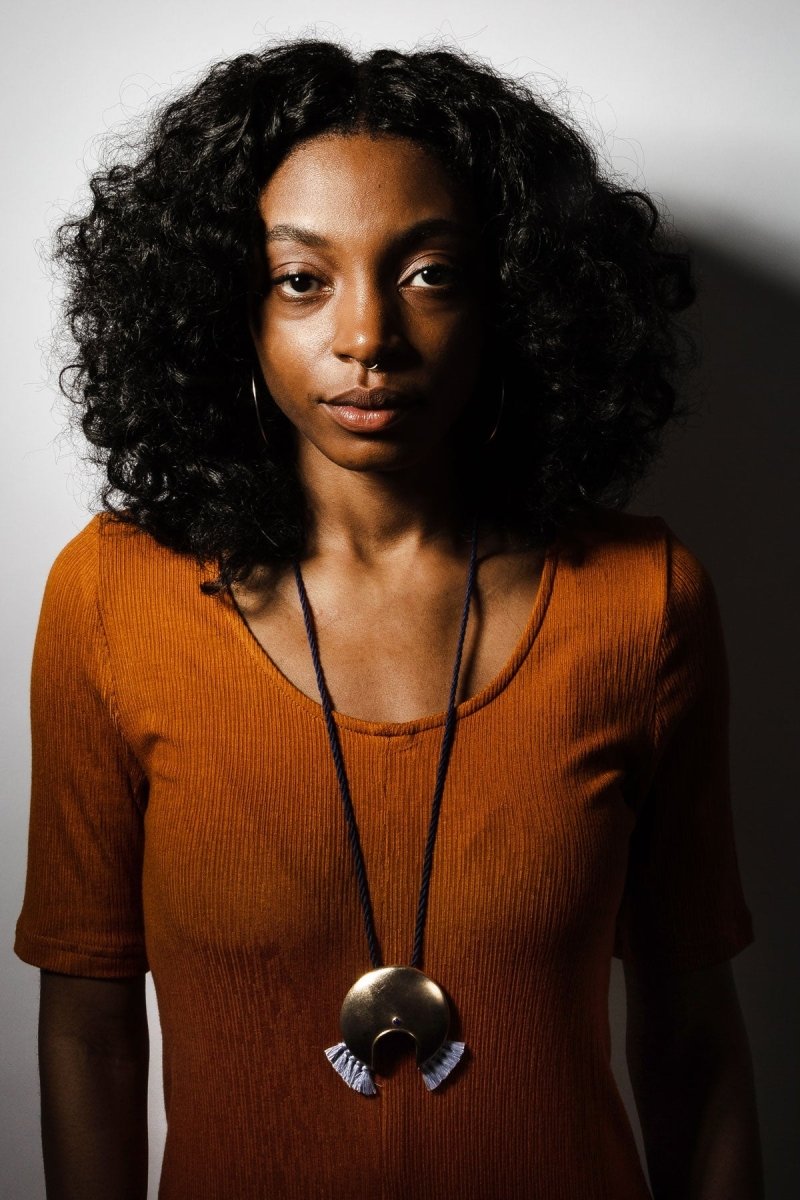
(695, 99)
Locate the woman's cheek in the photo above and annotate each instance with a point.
(291, 354)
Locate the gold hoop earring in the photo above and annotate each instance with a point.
(258, 411)
(491, 436)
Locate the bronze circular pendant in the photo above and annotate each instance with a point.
(392, 1000)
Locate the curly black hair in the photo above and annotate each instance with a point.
(585, 277)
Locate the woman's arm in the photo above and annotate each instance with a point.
(692, 1077)
(93, 1063)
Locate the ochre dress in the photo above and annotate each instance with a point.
(186, 820)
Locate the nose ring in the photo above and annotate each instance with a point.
(370, 366)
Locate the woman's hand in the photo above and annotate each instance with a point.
(692, 1077)
(93, 1064)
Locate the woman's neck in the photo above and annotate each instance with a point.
(371, 515)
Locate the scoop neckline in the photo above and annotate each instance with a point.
(248, 640)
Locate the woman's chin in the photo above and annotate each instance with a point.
(379, 454)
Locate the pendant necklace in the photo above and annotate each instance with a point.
(395, 998)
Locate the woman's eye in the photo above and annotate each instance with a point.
(297, 283)
(434, 275)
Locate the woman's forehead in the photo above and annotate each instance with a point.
(362, 185)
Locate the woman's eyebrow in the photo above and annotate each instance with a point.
(293, 233)
(431, 228)
(405, 240)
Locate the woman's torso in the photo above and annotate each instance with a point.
(254, 932)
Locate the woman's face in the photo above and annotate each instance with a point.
(371, 256)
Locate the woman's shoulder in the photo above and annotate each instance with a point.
(599, 525)
(632, 558)
(110, 555)
(616, 534)
(601, 538)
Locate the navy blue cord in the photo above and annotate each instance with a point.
(344, 786)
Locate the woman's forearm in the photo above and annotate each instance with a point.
(701, 1132)
(692, 1075)
(93, 1068)
(727, 1154)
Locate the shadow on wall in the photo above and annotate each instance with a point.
(727, 485)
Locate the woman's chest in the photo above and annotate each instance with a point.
(247, 849)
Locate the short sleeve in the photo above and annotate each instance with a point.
(683, 906)
(82, 911)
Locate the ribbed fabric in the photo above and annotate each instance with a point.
(186, 817)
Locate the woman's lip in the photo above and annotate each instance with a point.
(363, 420)
(372, 398)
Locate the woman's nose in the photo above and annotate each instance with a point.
(368, 328)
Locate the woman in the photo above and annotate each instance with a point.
(372, 355)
